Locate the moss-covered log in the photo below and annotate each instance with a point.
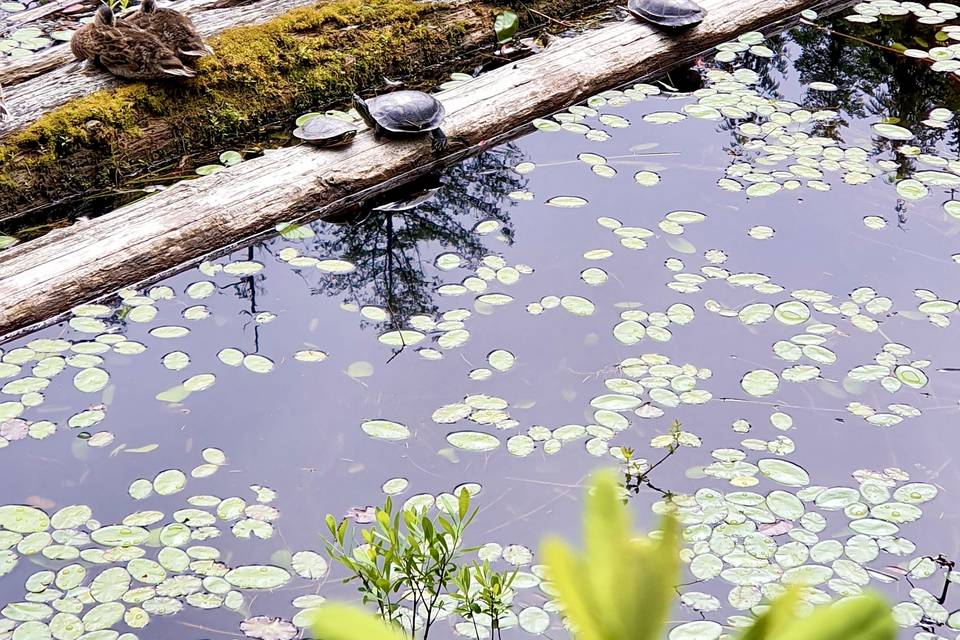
(307, 57)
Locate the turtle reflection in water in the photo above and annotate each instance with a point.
(668, 13)
(413, 196)
(402, 114)
(325, 131)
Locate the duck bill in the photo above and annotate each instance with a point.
(195, 53)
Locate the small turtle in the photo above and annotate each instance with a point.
(668, 13)
(404, 113)
(325, 131)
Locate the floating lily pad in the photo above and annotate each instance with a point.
(567, 202)
(385, 430)
(310, 565)
(257, 363)
(23, 519)
(760, 382)
(473, 440)
(257, 577)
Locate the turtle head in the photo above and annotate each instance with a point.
(361, 106)
(148, 6)
(104, 15)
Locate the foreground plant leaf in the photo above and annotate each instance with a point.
(620, 586)
(778, 617)
(861, 618)
(864, 617)
(343, 622)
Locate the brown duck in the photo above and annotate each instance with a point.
(172, 27)
(125, 50)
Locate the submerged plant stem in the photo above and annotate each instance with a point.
(834, 32)
(550, 18)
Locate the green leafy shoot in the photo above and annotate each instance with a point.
(484, 591)
(404, 556)
(118, 5)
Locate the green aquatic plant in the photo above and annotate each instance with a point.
(227, 159)
(622, 587)
(505, 26)
(118, 5)
(483, 591)
(405, 555)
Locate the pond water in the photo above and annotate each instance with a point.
(771, 261)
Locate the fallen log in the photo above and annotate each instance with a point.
(69, 266)
(261, 74)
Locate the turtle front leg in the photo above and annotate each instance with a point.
(439, 141)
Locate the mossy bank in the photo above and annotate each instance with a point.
(260, 74)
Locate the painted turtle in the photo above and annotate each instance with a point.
(668, 13)
(325, 131)
(404, 113)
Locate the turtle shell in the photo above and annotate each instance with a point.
(407, 111)
(668, 13)
(325, 131)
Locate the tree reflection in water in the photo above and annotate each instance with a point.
(393, 250)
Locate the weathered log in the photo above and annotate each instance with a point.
(36, 13)
(69, 266)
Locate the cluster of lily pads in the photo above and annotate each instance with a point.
(774, 129)
(27, 371)
(97, 577)
(738, 537)
(933, 13)
(28, 40)
(666, 385)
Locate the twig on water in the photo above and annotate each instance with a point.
(834, 32)
(550, 18)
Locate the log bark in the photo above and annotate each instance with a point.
(69, 266)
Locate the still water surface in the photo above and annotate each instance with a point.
(580, 259)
